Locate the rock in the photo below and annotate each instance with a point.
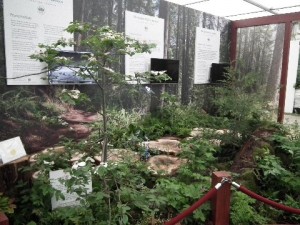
(166, 146)
(119, 155)
(199, 132)
(58, 149)
(165, 165)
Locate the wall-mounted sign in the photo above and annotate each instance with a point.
(146, 29)
(26, 24)
(207, 52)
(11, 150)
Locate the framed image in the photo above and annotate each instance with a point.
(75, 73)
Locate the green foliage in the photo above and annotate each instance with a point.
(123, 193)
(22, 104)
(278, 174)
(181, 195)
(105, 47)
(6, 205)
(191, 182)
(74, 97)
(200, 156)
(243, 211)
(294, 202)
(241, 99)
(18, 103)
(173, 119)
(123, 129)
(272, 170)
(281, 172)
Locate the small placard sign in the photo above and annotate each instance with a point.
(57, 179)
(11, 150)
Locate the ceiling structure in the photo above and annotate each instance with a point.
(242, 9)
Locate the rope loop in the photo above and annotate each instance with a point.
(209, 195)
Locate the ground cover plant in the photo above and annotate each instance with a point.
(128, 193)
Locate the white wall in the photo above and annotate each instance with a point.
(292, 76)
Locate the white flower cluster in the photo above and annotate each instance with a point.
(48, 163)
(110, 35)
(72, 93)
(156, 73)
(109, 69)
(77, 164)
(92, 59)
(61, 58)
(130, 49)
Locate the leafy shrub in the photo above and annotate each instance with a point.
(242, 100)
(243, 211)
(174, 119)
(6, 205)
(18, 103)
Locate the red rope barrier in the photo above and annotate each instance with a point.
(196, 205)
(268, 201)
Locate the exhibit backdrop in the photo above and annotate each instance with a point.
(180, 24)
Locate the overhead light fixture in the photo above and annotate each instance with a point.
(192, 3)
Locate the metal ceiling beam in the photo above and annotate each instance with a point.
(192, 3)
(248, 13)
(260, 6)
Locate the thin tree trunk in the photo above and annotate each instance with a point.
(177, 33)
(184, 88)
(273, 78)
(110, 12)
(156, 101)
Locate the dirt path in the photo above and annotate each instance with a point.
(36, 135)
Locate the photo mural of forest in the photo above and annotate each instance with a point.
(259, 50)
(180, 30)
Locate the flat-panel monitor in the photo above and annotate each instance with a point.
(218, 72)
(171, 66)
(71, 74)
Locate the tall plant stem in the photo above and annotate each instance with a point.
(104, 117)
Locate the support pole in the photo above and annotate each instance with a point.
(284, 70)
(221, 202)
(3, 219)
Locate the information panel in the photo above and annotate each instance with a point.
(11, 150)
(146, 29)
(207, 52)
(28, 23)
(57, 179)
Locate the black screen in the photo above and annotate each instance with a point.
(171, 66)
(218, 72)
